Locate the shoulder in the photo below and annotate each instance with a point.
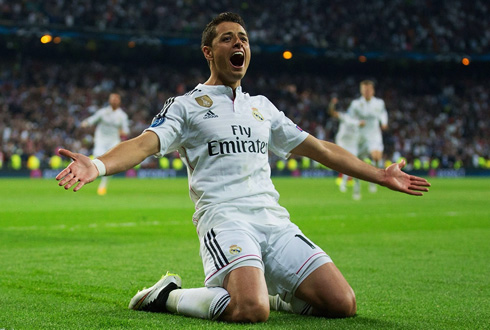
(179, 104)
(259, 100)
(122, 113)
(355, 102)
(380, 101)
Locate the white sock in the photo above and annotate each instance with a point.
(300, 307)
(344, 179)
(277, 304)
(204, 303)
(103, 182)
(296, 306)
(357, 185)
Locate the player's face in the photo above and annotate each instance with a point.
(367, 91)
(114, 101)
(229, 54)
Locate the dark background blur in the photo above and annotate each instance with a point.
(430, 61)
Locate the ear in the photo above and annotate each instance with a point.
(208, 53)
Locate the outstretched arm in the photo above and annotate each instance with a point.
(122, 157)
(339, 159)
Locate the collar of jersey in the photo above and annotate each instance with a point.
(219, 90)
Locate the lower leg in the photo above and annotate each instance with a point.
(204, 303)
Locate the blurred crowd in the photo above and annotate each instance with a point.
(43, 103)
(435, 26)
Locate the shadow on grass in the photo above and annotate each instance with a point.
(292, 321)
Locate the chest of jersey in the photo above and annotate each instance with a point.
(230, 127)
(112, 118)
(369, 110)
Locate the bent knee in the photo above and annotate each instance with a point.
(249, 313)
(347, 306)
(339, 307)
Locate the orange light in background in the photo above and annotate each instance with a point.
(362, 59)
(287, 55)
(57, 40)
(465, 61)
(46, 39)
(131, 44)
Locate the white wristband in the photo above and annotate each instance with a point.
(100, 166)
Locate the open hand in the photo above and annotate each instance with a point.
(398, 180)
(80, 171)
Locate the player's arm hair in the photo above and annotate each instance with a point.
(130, 153)
(338, 159)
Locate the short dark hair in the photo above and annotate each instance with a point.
(367, 82)
(209, 32)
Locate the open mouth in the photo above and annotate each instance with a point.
(237, 59)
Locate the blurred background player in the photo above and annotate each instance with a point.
(348, 138)
(112, 126)
(372, 111)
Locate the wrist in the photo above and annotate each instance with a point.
(100, 166)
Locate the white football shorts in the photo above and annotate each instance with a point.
(281, 250)
(373, 143)
(348, 143)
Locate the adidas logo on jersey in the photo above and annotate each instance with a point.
(210, 114)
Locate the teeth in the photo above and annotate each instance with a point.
(237, 53)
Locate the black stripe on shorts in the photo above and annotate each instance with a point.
(214, 249)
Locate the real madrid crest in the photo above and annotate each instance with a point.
(204, 101)
(235, 249)
(257, 115)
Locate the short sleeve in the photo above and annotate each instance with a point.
(125, 123)
(95, 118)
(384, 114)
(168, 125)
(285, 135)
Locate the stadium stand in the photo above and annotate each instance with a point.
(439, 119)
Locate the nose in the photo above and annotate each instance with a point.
(238, 42)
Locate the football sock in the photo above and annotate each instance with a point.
(277, 304)
(103, 182)
(298, 306)
(204, 303)
(357, 185)
(344, 179)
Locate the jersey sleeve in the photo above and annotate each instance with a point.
(348, 119)
(383, 119)
(125, 124)
(352, 109)
(285, 135)
(168, 125)
(95, 118)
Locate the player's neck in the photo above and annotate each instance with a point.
(214, 81)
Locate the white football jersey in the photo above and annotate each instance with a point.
(373, 112)
(348, 127)
(348, 134)
(109, 124)
(224, 142)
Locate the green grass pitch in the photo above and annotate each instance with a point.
(74, 260)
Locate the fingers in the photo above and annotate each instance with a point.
(79, 186)
(66, 153)
(63, 173)
(67, 180)
(418, 185)
(70, 180)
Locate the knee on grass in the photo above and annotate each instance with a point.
(339, 307)
(246, 312)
